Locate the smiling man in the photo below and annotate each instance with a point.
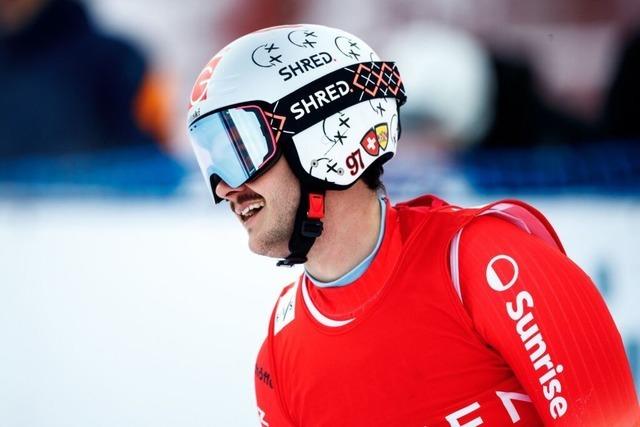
(418, 314)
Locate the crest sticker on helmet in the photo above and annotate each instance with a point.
(382, 133)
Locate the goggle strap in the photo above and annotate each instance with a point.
(335, 92)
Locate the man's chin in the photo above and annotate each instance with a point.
(262, 248)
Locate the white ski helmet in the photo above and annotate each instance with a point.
(318, 95)
(322, 91)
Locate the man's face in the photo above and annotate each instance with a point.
(267, 208)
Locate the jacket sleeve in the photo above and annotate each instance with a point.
(270, 412)
(543, 314)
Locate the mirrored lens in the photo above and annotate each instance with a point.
(232, 144)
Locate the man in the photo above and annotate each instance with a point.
(420, 314)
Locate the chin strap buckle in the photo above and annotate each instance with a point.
(311, 228)
(316, 206)
(307, 228)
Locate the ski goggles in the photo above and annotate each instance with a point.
(233, 145)
(237, 143)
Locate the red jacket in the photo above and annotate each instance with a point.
(491, 326)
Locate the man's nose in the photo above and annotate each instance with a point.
(223, 190)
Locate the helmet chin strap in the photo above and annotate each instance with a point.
(307, 227)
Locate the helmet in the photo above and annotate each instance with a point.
(317, 95)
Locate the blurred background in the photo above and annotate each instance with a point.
(127, 299)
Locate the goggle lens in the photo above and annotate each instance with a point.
(232, 144)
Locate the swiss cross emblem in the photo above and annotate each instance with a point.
(376, 139)
(370, 143)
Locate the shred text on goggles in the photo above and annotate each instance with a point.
(237, 143)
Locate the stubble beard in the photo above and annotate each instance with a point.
(273, 240)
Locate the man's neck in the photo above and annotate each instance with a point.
(351, 225)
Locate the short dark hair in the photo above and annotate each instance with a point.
(373, 177)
